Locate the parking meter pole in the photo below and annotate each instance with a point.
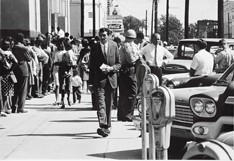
(148, 85)
(154, 83)
(152, 152)
(143, 129)
(161, 116)
(161, 152)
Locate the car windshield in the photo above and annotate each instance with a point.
(227, 77)
(187, 50)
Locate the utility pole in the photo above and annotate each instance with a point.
(156, 16)
(167, 22)
(130, 25)
(94, 19)
(186, 21)
(152, 18)
(82, 18)
(146, 23)
(220, 19)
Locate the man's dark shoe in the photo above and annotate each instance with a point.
(107, 131)
(102, 132)
(126, 119)
(23, 111)
(63, 106)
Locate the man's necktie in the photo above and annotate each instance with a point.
(104, 50)
(155, 56)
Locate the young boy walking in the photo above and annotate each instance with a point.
(76, 86)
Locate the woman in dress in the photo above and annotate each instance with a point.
(7, 64)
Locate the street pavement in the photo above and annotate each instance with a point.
(48, 132)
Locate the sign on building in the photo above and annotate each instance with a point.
(115, 23)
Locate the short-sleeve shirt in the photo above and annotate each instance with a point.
(203, 63)
(129, 53)
(224, 59)
(58, 58)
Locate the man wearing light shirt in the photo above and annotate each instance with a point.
(156, 56)
(203, 61)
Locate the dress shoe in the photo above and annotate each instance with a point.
(102, 132)
(28, 98)
(3, 114)
(8, 111)
(23, 111)
(63, 106)
(126, 119)
(107, 131)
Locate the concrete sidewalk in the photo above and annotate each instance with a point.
(48, 132)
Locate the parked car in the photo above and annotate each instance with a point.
(213, 126)
(185, 52)
(176, 73)
(185, 118)
(196, 81)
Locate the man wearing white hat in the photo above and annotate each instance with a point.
(128, 84)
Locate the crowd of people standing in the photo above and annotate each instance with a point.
(37, 66)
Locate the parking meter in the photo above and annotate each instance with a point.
(161, 114)
(149, 83)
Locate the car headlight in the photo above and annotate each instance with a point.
(203, 107)
(210, 107)
(198, 106)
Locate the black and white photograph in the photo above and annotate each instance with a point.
(116, 79)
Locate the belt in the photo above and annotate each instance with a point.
(127, 69)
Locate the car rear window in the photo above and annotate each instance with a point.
(187, 51)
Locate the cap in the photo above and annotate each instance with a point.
(130, 34)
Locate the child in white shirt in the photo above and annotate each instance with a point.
(76, 86)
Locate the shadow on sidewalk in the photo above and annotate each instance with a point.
(57, 108)
(74, 121)
(121, 155)
(75, 135)
(79, 120)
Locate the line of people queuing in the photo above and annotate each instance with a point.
(34, 67)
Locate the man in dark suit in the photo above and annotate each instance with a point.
(21, 72)
(104, 65)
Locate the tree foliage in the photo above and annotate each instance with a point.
(131, 22)
(193, 27)
(175, 29)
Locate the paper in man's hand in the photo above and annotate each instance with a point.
(103, 66)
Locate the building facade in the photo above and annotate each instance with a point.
(75, 12)
(207, 28)
(32, 17)
(228, 18)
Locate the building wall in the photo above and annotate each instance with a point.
(75, 16)
(45, 16)
(207, 28)
(15, 14)
(228, 19)
(19, 16)
(62, 23)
